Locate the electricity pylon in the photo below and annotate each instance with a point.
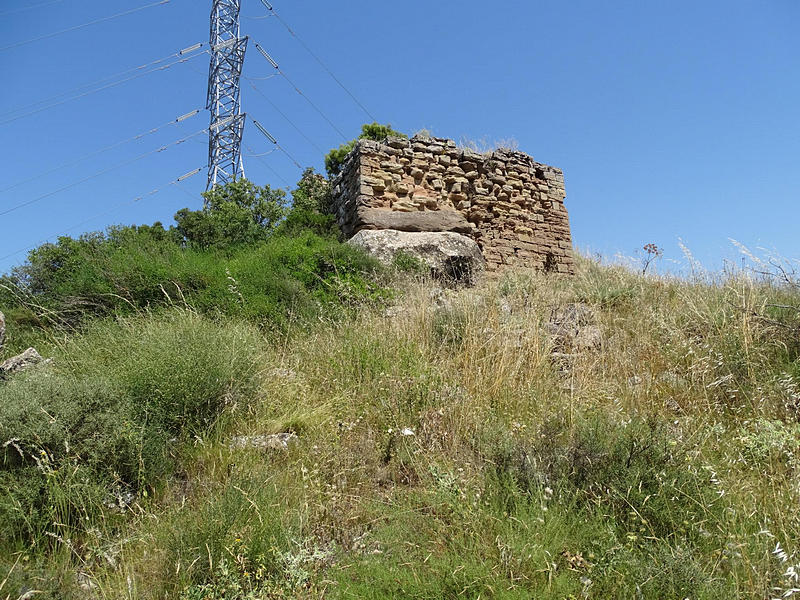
(227, 121)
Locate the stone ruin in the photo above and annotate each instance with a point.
(512, 206)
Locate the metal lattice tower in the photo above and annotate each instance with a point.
(227, 121)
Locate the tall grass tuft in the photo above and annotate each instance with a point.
(108, 421)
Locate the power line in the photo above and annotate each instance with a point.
(318, 59)
(274, 64)
(267, 153)
(281, 113)
(99, 173)
(176, 182)
(31, 7)
(103, 150)
(259, 17)
(103, 87)
(81, 26)
(178, 186)
(266, 164)
(185, 51)
(274, 141)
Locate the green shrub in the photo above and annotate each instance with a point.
(633, 471)
(371, 131)
(295, 274)
(178, 369)
(313, 193)
(237, 213)
(299, 221)
(113, 412)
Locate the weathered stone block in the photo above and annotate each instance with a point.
(429, 220)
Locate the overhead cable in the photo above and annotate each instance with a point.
(103, 150)
(269, 136)
(115, 208)
(274, 64)
(103, 87)
(103, 172)
(184, 52)
(318, 59)
(287, 119)
(31, 7)
(81, 26)
(266, 164)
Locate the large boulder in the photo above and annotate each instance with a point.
(451, 257)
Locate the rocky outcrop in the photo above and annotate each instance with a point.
(451, 257)
(511, 205)
(23, 361)
(574, 328)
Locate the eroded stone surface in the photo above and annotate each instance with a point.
(451, 257)
(23, 361)
(512, 206)
(433, 221)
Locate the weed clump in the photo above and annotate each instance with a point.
(111, 417)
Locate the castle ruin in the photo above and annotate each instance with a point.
(512, 206)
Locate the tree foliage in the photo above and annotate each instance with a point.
(313, 193)
(369, 131)
(239, 212)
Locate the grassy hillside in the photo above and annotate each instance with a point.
(443, 450)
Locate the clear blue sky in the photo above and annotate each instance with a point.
(670, 119)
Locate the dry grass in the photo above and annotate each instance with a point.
(663, 464)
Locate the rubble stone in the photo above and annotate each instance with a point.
(510, 205)
(21, 362)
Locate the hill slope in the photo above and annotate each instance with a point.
(607, 435)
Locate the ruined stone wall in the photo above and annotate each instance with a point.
(512, 206)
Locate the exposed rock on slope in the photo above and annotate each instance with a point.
(23, 361)
(574, 328)
(450, 256)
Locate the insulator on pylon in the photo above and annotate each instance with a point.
(267, 56)
(191, 48)
(187, 115)
(265, 132)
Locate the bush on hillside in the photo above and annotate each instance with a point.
(634, 472)
(243, 253)
(313, 193)
(237, 213)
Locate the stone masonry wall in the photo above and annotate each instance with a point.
(512, 206)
